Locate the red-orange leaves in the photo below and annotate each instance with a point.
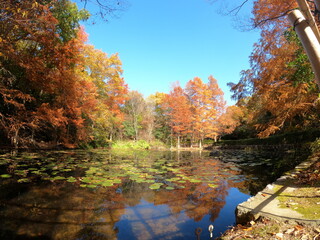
(193, 112)
(207, 105)
(49, 90)
(179, 111)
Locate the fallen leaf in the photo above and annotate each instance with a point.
(248, 236)
(289, 231)
(279, 235)
(248, 229)
(298, 227)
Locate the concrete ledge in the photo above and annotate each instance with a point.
(266, 203)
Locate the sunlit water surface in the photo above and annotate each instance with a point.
(138, 195)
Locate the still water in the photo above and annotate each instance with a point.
(82, 195)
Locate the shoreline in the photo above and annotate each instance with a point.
(275, 210)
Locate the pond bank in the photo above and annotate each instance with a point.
(288, 208)
(280, 200)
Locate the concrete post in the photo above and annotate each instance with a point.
(308, 39)
(304, 7)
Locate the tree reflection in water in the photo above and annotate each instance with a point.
(203, 194)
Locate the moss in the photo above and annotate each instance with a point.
(304, 200)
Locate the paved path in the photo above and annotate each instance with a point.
(266, 202)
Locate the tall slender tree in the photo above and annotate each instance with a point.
(178, 108)
(207, 105)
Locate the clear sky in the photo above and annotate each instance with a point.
(163, 41)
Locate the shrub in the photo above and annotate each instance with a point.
(131, 145)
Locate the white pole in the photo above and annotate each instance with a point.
(304, 7)
(308, 39)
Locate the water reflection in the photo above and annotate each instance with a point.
(196, 191)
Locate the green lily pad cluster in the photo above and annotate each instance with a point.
(101, 169)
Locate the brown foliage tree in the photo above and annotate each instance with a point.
(281, 80)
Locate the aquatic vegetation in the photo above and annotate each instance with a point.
(103, 169)
(155, 186)
(5, 176)
(96, 189)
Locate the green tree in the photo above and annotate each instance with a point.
(134, 108)
(69, 17)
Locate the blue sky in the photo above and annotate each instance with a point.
(163, 41)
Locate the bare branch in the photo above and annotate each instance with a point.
(263, 21)
(105, 8)
(237, 9)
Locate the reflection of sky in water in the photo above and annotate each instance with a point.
(148, 221)
(227, 213)
(204, 191)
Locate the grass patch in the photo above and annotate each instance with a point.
(138, 145)
(266, 231)
(131, 145)
(302, 199)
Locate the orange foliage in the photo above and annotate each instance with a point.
(45, 94)
(278, 99)
(179, 111)
(229, 120)
(207, 104)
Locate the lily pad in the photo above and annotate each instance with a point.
(86, 180)
(67, 170)
(5, 176)
(155, 186)
(212, 185)
(32, 169)
(23, 180)
(149, 181)
(107, 184)
(117, 180)
(71, 179)
(58, 178)
(195, 180)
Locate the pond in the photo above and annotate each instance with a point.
(139, 195)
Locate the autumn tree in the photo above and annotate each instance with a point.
(283, 93)
(52, 87)
(161, 119)
(39, 90)
(105, 73)
(178, 109)
(207, 105)
(230, 119)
